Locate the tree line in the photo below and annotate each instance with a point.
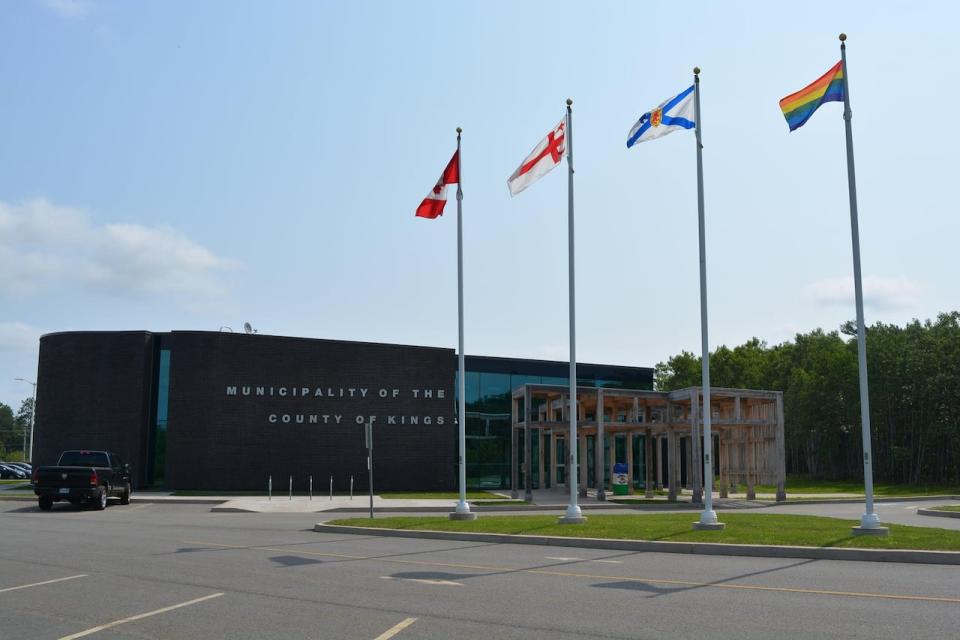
(14, 431)
(914, 381)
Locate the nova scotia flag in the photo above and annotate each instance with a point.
(673, 114)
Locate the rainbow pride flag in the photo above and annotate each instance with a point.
(798, 107)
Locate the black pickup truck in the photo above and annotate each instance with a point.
(83, 477)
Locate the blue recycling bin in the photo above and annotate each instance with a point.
(621, 481)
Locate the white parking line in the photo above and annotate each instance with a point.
(37, 584)
(395, 629)
(139, 616)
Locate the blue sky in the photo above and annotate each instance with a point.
(183, 165)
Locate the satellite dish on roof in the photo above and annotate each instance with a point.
(247, 329)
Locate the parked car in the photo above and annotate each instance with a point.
(23, 466)
(9, 472)
(83, 477)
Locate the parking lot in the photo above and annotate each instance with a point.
(180, 571)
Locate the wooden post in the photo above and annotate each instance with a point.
(598, 449)
(781, 464)
(514, 444)
(554, 471)
(658, 481)
(647, 464)
(724, 463)
(630, 462)
(543, 455)
(527, 444)
(673, 473)
(582, 461)
(696, 447)
(751, 466)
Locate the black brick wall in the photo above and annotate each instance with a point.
(94, 392)
(218, 441)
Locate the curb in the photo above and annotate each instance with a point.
(133, 499)
(699, 548)
(938, 513)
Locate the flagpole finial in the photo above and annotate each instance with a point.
(569, 102)
(459, 130)
(696, 71)
(843, 37)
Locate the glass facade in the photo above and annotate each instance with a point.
(159, 426)
(489, 383)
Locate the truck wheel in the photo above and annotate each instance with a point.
(46, 503)
(101, 499)
(125, 496)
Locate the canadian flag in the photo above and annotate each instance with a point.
(544, 157)
(432, 205)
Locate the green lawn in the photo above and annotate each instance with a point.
(948, 507)
(804, 484)
(742, 528)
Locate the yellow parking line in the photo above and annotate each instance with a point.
(139, 616)
(395, 629)
(591, 576)
(37, 584)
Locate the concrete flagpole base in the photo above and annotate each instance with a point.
(463, 512)
(708, 521)
(870, 526)
(573, 515)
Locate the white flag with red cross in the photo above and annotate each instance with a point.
(544, 157)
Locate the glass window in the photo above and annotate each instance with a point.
(160, 428)
(495, 392)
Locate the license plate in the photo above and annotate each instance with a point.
(64, 491)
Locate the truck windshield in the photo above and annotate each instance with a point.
(84, 459)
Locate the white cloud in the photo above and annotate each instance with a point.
(17, 336)
(72, 9)
(43, 245)
(879, 292)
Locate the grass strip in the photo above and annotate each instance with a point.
(947, 507)
(803, 484)
(742, 528)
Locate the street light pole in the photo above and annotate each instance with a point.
(33, 413)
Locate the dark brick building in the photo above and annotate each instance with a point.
(206, 410)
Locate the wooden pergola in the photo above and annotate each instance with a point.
(747, 426)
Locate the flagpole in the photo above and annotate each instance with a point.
(870, 521)
(708, 517)
(573, 514)
(463, 509)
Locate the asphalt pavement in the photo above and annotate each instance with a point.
(182, 571)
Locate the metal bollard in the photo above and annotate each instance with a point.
(311, 487)
(351, 487)
(291, 487)
(331, 487)
(269, 487)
